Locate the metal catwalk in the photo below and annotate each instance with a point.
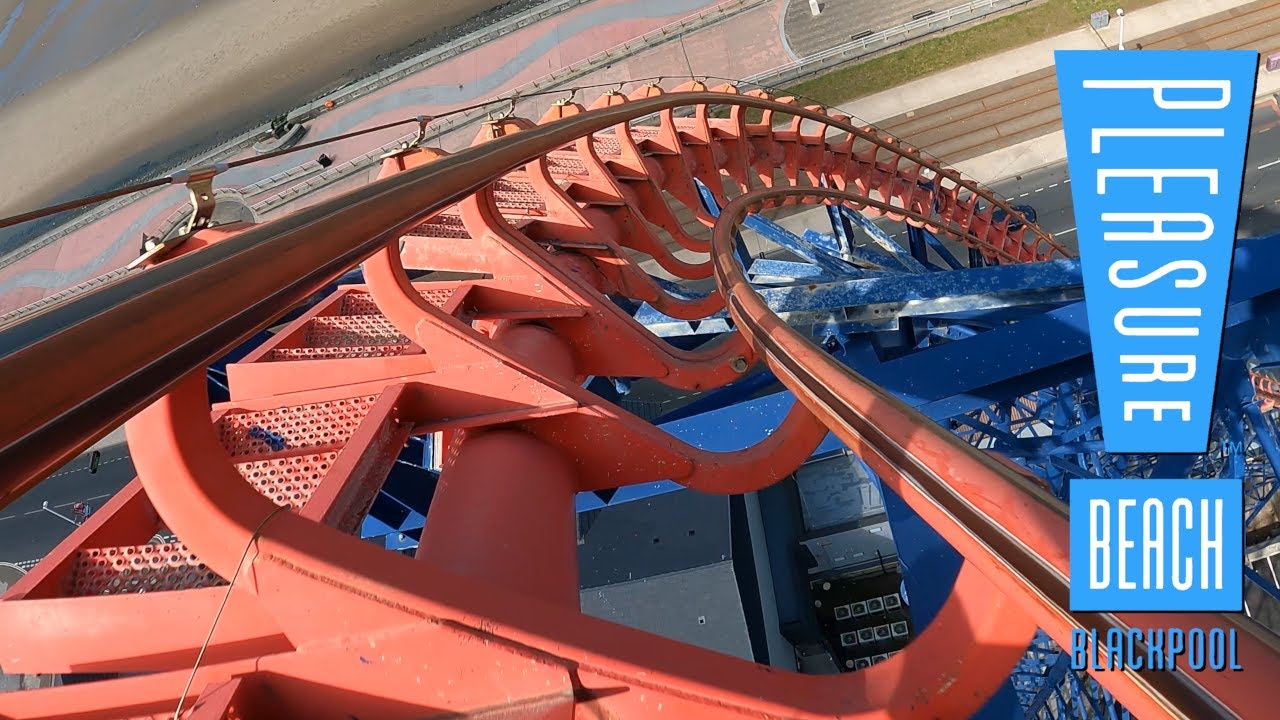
(964, 387)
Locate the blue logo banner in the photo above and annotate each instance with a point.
(1155, 146)
(1157, 545)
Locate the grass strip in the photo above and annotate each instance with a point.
(944, 52)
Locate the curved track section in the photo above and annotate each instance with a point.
(265, 600)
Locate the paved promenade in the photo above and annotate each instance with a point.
(521, 56)
(992, 120)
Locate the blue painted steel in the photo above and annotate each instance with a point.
(841, 229)
(919, 247)
(712, 206)
(677, 290)
(965, 291)
(932, 241)
(765, 271)
(1263, 482)
(724, 397)
(886, 243)
(822, 254)
(864, 258)
(1027, 277)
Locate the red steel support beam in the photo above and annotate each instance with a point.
(503, 516)
(246, 281)
(503, 510)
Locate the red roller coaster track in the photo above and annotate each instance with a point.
(268, 606)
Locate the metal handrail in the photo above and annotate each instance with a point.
(147, 333)
(150, 330)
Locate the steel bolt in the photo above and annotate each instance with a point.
(739, 364)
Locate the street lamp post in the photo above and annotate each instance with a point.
(1120, 14)
(45, 507)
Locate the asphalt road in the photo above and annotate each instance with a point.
(1048, 189)
(27, 531)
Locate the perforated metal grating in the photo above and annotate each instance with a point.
(342, 331)
(155, 567)
(139, 568)
(606, 143)
(299, 427)
(288, 481)
(566, 163)
(338, 353)
(442, 226)
(515, 195)
(360, 303)
(606, 146)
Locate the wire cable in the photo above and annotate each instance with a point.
(223, 606)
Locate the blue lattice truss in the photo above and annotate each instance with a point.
(998, 354)
(1001, 356)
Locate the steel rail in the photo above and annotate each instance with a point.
(145, 332)
(945, 474)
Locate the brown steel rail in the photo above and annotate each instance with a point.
(1012, 529)
(144, 335)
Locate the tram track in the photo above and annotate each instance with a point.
(1026, 107)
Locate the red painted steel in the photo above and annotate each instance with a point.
(264, 496)
(1266, 388)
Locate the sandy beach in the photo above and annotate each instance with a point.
(202, 71)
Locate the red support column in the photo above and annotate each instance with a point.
(504, 507)
(503, 510)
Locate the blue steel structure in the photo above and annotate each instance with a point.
(998, 354)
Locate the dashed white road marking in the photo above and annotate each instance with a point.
(1024, 195)
(68, 472)
(1039, 190)
(1064, 232)
(62, 505)
(1054, 185)
(1267, 165)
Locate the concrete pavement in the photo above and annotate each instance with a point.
(1036, 56)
